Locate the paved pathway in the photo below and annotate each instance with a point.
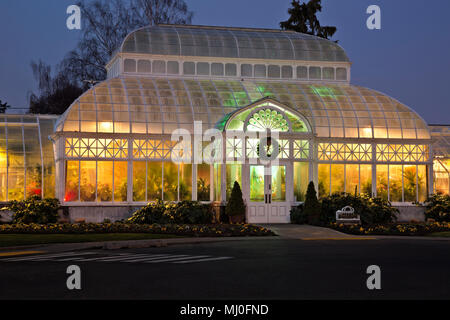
(305, 232)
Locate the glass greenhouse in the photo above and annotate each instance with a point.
(27, 162)
(270, 109)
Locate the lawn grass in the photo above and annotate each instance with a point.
(445, 234)
(10, 240)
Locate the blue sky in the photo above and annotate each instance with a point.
(409, 58)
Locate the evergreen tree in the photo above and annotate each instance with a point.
(236, 206)
(303, 18)
(4, 106)
(312, 206)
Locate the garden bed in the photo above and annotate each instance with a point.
(214, 230)
(396, 229)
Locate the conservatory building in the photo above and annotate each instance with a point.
(188, 110)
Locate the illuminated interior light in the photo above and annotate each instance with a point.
(105, 127)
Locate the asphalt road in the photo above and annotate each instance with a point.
(260, 269)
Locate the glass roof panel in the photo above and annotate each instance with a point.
(333, 110)
(231, 43)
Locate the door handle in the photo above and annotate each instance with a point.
(265, 198)
(270, 198)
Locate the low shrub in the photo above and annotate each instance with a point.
(189, 212)
(298, 215)
(438, 208)
(184, 212)
(34, 210)
(371, 210)
(220, 230)
(150, 214)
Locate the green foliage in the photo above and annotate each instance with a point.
(372, 210)
(235, 206)
(312, 205)
(34, 210)
(397, 229)
(184, 212)
(189, 212)
(303, 18)
(438, 208)
(203, 190)
(218, 230)
(298, 215)
(151, 213)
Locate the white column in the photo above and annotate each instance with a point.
(130, 172)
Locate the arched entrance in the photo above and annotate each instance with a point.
(275, 161)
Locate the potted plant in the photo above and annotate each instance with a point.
(236, 208)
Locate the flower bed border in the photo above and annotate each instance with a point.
(398, 229)
(217, 230)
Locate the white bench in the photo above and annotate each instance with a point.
(347, 215)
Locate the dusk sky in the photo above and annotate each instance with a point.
(408, 59)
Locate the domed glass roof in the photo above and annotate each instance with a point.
(159, 106)
(237, 43)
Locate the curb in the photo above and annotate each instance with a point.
(132, 244)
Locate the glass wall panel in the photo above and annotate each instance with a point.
(352, 178)
(185, 181)
(337, 178)
(409, 180)
(139, 181)
(170, 181)
(88, 174)
(246, 70)
(72, 181)
(48, 157)
(422, 182)
(33, 161)
(302, 72)
(3, 164)
(365, 172)
(234, 173)
(257, 188)
(120, 181)
(382, 181)
(203, 182)
(441, 176)
(105, 176)
(395, 183)
(278, 183)
(16, 164)
(301, 180)
(324, 180)
(154, 181)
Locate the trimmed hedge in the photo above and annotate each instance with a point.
(219, 230)
(184, 212)
(394, 229)
(34, 210)
(371, 210)
(438, 208)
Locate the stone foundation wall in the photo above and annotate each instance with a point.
(410, 213)
(98, 214)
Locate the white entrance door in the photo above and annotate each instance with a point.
(267, 199)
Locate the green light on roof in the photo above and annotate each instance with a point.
(265, 91)
(323, 91)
